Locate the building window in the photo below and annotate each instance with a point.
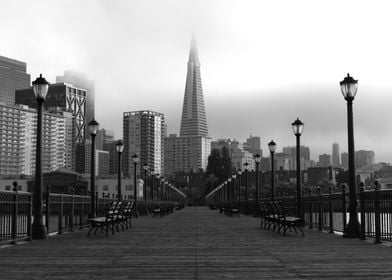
(7, 188)
(105, 188)
(128, 187)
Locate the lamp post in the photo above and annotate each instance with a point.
(272, 147)
(246, 166)
(257, 160)
(233, 176)
(135, 160)
(93, 126)
(298, 127)
(239, 188)
(119, 149)
(145, 167)
(349, 88)
(40, 88)
(229, 189)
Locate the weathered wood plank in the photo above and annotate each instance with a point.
(196, 243)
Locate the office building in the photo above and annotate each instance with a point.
(18, 134)
(325, 160)
(252, 145)
(143, 133)
(13, 76)
(237, 152)
(80, 80)
(335, 155)
(64, 96)
(344, 160)
(364, 159)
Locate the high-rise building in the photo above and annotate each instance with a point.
(344, 160)
(102, 163)
(65, 96)
(252, 145)
(325, 160)
(190, 151)
(193, 120)
(335, 155)
(143, 133)
(80, 80)
(18, 140)
(364, 159)
(13, 76)
(237, 152)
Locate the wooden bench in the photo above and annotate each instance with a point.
(272, 213)
(118, 214)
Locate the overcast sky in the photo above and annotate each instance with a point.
(263, 63)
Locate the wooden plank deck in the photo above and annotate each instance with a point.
(196, 243)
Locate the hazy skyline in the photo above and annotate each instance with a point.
(263, 63)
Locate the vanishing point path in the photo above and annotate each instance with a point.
(196, 243)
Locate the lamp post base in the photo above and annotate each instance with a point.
(352, 230)
(38, 231)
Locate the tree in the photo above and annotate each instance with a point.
(226, 165)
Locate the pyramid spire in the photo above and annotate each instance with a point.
(193, 121)
(193, 53)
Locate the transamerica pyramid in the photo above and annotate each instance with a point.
(193, 120)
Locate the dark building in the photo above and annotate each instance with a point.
(65, 96)
(80, 80)
(63, 180)
(13, 76)
(316, 174)
(83, 157)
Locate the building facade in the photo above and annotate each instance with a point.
(81, 81)
(335, 155)
(13, 76)
(18, 140)
(64, 96)
(325, 160)
(144, 133)
(252, 145)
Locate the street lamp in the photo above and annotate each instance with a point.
(233, 176)
(145, 167)
(257, 160)
(119, 149)
(229, 189)
(298, 127)
(349, 88)
(246, 166)
(272, 147)
(135, 160)
(93, 126)
(40, 88)
(239, 188)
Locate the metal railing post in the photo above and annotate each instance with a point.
(14, 229)
(362, 204)
(61, 213)
(310, 210)
(47, 213)
(71, 222)
(344, 206)
(377, 213)
(320, 214)
(330, 210)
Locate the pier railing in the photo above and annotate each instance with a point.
(62, 212)
(328, 211)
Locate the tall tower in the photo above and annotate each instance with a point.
(191, 149)
(335, 155)
(193, 120)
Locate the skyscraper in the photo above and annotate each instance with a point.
(191, 149)
(252, 145)
(13, 76)
(80, 80)
(143, 133)
(193, 120)
(335, 155)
